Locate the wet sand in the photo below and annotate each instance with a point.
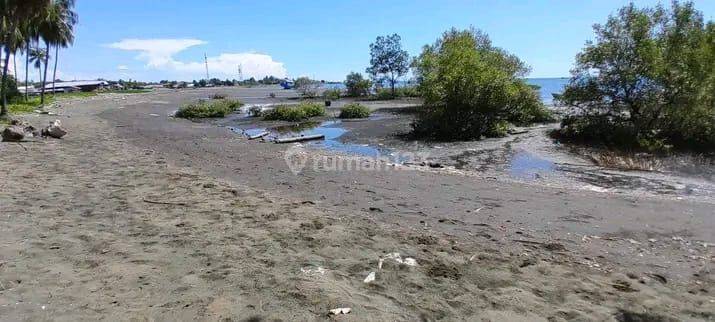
(138, 216)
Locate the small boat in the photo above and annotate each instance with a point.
(286, 84)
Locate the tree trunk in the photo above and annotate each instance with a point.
(44, 78)
(14, 66)
(392, 84)
(54, 70)
(3, 88)
(27, 69)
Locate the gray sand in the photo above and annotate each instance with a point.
(141, 217)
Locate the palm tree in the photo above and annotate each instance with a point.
(39, 56)
(67, 19)
(55, 28)
(13, 14)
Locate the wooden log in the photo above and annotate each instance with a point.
(301, 138)
(258, 136)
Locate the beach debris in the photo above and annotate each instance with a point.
(301, 138)
(623, 286)
(370, 278)
(258, 136)
(340, 310)
(658, 277)
(519, 131)
(54, 130)
(375, 209)
(313, 271)
(13, 133)
(166, 203)
(409, 261)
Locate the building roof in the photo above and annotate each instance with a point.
(78, 83)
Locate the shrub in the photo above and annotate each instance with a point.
(294, 113)
(204, 109)
(384, 94)
(407, 91)
(332, 94)
(255, 111)
(646, 82)
(472, 89)
(218, 96)
(354, 111)
(306, 87)
(11, 89)
(356, 85)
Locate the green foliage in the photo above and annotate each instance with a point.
(354, 111)
(648, 81)
(332, 94)
(205, 109)
(472, 89)
(306, 87)
(388, 62)
(357, 85)
(294, 113)
(384, 94)
(11, 91)
(407, 91)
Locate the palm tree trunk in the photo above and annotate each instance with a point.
(54, 70)
(3, 88)
(27, 69)
(44, 78)
(14, 66)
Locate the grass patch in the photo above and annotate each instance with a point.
(354, 111)
(205, 109)
(626, 161)
(294, 113)
(218, 96)
(71, 95)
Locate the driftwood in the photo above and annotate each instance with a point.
(166, 203)
(301, 138)
(258, 136)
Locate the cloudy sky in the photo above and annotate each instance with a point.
(155, 40)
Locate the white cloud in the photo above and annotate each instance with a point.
(159, 54)
(122, 68)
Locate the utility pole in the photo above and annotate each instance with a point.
(206, 60)
(240, 72)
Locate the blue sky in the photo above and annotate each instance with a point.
(154, 40)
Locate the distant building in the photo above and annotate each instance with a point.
(84, 86)
(31, 90)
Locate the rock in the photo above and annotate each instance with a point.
(28, 129)
(54, 130)
(13, 133)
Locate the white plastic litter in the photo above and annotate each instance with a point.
(313, 271)
(340, 310)
(409, 261)
(370, 278)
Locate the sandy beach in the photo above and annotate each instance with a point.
(138, 216)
